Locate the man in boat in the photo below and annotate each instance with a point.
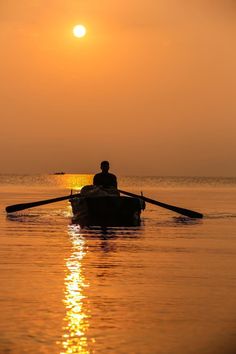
(104, 178)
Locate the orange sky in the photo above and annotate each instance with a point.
(151, 87)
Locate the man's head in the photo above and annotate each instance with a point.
(105, 166)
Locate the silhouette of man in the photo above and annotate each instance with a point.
(104, 178)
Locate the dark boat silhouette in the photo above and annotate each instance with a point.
(98, 206)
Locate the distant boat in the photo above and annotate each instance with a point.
(59, 173)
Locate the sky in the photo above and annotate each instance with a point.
(151, 87)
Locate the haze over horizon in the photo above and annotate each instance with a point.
(151, 87)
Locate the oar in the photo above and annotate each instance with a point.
(18, 207)
(186, 212)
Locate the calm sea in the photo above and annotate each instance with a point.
(166, 287)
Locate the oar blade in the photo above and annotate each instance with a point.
(186, 212)
(17, 207)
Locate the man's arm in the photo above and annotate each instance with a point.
(114, 181)
(95, 180)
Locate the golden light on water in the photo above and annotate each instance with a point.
(79, 31)
(77, 317)
(71, 182)
(74, 182)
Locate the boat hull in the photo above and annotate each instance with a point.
(107, 211)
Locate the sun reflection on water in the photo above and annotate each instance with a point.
(77, 316)
(76, 182)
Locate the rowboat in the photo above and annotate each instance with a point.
(105, 207)
(97, 206)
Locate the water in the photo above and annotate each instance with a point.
(166, 287)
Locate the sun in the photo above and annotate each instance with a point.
(79, 31)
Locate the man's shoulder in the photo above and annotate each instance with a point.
(97, 176)
(100, 174)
